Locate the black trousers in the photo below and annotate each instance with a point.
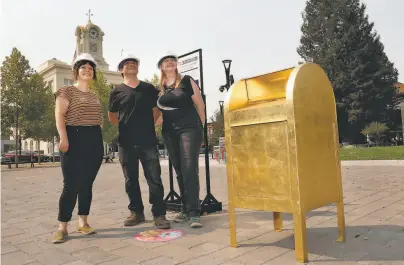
(80, 165)
(129, 156)
(183, 147)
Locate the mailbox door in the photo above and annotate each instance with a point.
(260, 160)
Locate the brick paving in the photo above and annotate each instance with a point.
(374, 206)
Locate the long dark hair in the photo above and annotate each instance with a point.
(80, 64)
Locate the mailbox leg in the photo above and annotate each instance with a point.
(232, 223)
(341, 221)
(278, 226)
(300, 237)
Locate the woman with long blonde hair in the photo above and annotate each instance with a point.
(183, 110)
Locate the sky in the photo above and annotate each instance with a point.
(259, 36)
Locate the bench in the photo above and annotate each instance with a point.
(22, 162)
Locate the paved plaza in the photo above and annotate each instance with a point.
(374, 212)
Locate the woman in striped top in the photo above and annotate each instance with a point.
(78, 121)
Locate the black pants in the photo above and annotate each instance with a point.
(80, 165)
(183, 149)
(129, 157)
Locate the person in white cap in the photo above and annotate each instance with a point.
(132, 106)
(78, 116)
(183, 112)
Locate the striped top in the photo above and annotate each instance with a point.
(84, 107)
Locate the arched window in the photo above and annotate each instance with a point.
(25, 145)
(31, 145)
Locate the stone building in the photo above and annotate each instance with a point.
(89, 39)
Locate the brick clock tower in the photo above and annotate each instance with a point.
(89, 39)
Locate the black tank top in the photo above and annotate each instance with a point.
(178, 108)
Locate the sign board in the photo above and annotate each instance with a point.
(191, 64)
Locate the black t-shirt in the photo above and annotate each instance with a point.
(135, 113)
(178, 107)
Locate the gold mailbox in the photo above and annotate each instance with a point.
(283, 149)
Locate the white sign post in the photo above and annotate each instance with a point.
(191, 64)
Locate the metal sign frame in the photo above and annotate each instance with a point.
(173, 200)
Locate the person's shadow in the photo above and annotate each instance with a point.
(381, 243)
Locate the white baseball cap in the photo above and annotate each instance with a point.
(84, 57)
(167, 55)
(127, 57)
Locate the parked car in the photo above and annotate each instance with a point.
(5, 160)
(44, 158)
(57, 157)
(25, 156)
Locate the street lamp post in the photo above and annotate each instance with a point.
(229, 77)
(221, 102)
(227, 64)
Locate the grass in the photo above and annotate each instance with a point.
(373, 153)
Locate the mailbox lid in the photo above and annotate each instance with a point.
(259, 113)
(262, 88)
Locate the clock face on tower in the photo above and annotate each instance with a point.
(93, 33)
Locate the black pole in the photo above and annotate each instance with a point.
(229, 77)
(170, 172)
(205, 128)
(209, 204)
(221, 106)
(53, 148)
(173, 200)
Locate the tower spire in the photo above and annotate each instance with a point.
(89, 15)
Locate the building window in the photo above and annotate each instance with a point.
(25, 145)
(50, 83)
(31, 145)
(67, 82)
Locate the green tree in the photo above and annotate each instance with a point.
(375, 130)
(217, 123)
(39, 122)
(155, 81)
(338, 36)
(15, 74)
(100, 86)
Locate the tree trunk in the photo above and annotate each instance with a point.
(53, 149)
(39, 152)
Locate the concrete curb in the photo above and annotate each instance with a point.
(214, 163)
(373, 163)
